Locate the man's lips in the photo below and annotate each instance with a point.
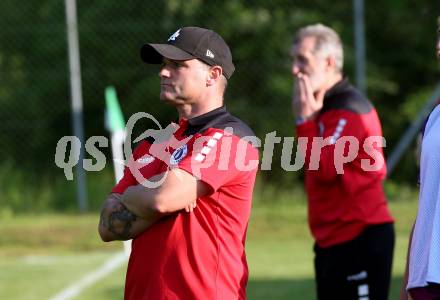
(166, 85)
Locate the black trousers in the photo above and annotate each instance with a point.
(359, 269)
(429, 292)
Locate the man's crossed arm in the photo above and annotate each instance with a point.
(125, 216)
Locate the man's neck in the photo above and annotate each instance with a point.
(334, 80)
(189, 111)
(330, 82)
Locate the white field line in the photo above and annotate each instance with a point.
(76, 288)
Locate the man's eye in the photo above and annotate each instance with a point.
(302, 60)
(171, 64)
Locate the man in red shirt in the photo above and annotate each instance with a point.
(189, 232)
(347, 208)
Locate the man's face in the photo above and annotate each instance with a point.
(308, 63)
(438, 43)
(182, 81)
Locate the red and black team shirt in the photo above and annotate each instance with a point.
(197, 255)
(340, 206)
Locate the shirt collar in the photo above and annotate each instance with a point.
(207, 117)
(339, 87)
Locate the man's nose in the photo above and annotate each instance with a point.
(164, 72)
(295, 69)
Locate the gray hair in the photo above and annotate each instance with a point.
(327, 43)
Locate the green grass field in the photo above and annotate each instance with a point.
(42, 254)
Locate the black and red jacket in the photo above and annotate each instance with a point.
(344, 198)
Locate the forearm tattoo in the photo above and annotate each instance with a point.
(119, 221)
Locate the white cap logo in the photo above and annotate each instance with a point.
(209, 53)
(174, 36)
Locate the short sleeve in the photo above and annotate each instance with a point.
(218, 158)
(142, 164)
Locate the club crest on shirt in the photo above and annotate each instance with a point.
(178, 155)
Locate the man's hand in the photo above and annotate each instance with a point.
(191, 206)
(305, 103)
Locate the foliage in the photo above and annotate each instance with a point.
(34, 77)
(25, 192)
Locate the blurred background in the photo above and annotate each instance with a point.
(44, 232)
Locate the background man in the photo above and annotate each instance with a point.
(422, 278)
(348, 213)
(197, 254)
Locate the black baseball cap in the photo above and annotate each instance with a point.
(189, 43)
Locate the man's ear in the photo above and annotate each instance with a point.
(214, 75)
(330, 62)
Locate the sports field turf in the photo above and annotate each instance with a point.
(42, 254)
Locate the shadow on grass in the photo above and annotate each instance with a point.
(114, 293)
(276, 289)
(304, 289)
(281, 289)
